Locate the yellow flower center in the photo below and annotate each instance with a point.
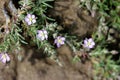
(59, 41)
(30, 19)
(89, 43)
(42, 34)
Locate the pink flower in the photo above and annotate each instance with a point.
(89, 43)
(4, 57)
(59, 41)
(42, 35)
(30, 19)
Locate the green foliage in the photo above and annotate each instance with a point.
(107, 13)
(20, 31)
(13, 38)
(108, 9)
(104, 66)
(39, 9)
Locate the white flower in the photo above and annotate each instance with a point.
(42, 35)
(59, 41)
(89, 43)
(4, 57)
(30, 19)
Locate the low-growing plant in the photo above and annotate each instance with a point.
(30, 26)
(107, 13)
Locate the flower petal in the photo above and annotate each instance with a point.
(7, 58)
(62, 42)
(33, 16)
(42, 38)
(90, 40)
(29, 23)
(27, 19)
(0, 56)
(58, 45)
(29, 15)
(55, 41)
(4, 60)
(39, 32)
(90, 46)
(46, 37)
(63, 39)
(34, 21)
(45, 32)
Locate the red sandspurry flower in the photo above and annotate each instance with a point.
(30, 19)
(42, 35)
(89, 43)
(59, 41)
(4, 57)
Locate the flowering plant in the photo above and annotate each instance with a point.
(32, 25)
(107, 13)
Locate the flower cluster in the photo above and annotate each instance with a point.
(4, 57)
(59, 41)
(42, 35)
(30, 19)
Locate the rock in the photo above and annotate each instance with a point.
(74, 19)
(33, 68)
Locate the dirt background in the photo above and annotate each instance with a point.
(35, 66)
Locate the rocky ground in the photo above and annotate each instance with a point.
(34, 67)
